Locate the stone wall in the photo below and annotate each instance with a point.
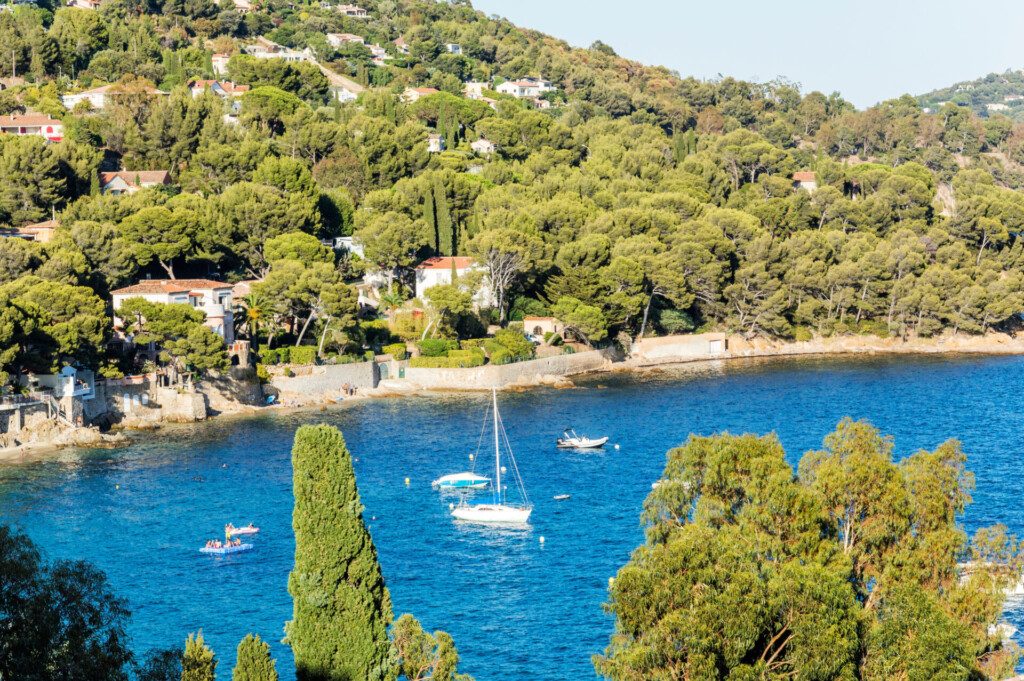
(681, 348)
(22, 417)
(313, 384)
(489, 376)
(231, 393)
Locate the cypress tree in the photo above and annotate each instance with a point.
(430, 215)
(198, 662)
(254, 661)
(445, 227)
(342, 608)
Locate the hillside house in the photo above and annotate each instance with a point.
(401, 45)
(268, 49)
(221, 88)
(220, 63)
(453, 48)
(342, 89)
(50, 129)
(437, 271)
(435, 143)
(84, 4)
(336, 40)
(806, 180)
(484, 147)
(474, 90)
(38, 231)
(99, 97)
(352, 11)
(414, 94)
(214, 298)
(130, 181)
(380, 55)
(243, 6)
(536, 327)
(526, 88)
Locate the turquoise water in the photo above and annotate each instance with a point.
(517, 609)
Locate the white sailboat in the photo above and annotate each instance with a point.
(498, 511)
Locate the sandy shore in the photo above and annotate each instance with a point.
(649, 354)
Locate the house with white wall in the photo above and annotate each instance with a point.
(50, 129)
(352, 11)
(526, 88)
(437, 271)
(213, 298)
(414, 94)
(99, 97)
(130, 181)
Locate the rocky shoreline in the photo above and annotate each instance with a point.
(647, 354)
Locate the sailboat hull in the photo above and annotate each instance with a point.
(492, 513)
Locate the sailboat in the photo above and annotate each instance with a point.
(498, 511)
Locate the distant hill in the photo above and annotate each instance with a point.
(996, 93)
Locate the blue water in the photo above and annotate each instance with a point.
(517, 608)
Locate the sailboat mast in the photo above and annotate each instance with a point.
(497, 450)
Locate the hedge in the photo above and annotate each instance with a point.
(458, 362)
(396, 350)
(436, 347)
(303, 354)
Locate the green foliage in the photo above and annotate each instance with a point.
(847, 570)
(436, 347)
(303, 354)
(198, 662)
(396, 350)
(185, 342)
(254, 661)
(423, 656)
(341, 607)
(60, 619)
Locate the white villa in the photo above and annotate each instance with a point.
(484, 147)
(221, 88)
(435, 143)
(437, 271)
(342, 89)
(401, 45)
(220, 63)
(268, 49)
(99, 97)
(453, 48)
(336, 40)
(48, 128)
(474, 89)
(526, 88)
(130, 181)
(211, 297)
(806, 180)
(414, 94)
(352, 11)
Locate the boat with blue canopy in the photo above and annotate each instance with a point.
(467, 480)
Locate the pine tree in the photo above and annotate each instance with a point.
(342, 609)
(254, 661)
(198, 662)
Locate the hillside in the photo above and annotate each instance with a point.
(994, 94)
(622, 198)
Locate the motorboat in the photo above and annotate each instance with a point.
(226, 549)
(570, 440)
(499, 510)
(233, 531)
(467, 480)
(561, 497)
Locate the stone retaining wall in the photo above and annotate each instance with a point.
(312, 384)
(489, 376)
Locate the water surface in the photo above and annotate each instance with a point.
(517, 608)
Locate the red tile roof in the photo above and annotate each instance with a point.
(805, 176)
(130, 177)
(170, 286)
(445, 263)
(27, 120)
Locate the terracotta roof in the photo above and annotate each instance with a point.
(805, 176)
(48, 224)
(425, 90)
(400, 42)
(445, 263)
(226, 85)
(170, 286)
(539, 319)
(15, 120)
(130, 176)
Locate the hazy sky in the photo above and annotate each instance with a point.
(869, 50)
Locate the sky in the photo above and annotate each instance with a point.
(868, 50)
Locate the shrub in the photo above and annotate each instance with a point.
(467, 358)
(873, 327)
(303, 354)
(515, 343)
(369, 355)
(802, 333)
(471, 343)
(396, 350)
(284, 354)
(261, 373)
(269, 356)
(376, 332)
(501, 356)
(674, 321)
(436, 347)
(568, 350)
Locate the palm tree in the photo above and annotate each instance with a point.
(391, 299)
(251, 313)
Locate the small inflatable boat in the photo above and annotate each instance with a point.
(238, 531)
(224, 550)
